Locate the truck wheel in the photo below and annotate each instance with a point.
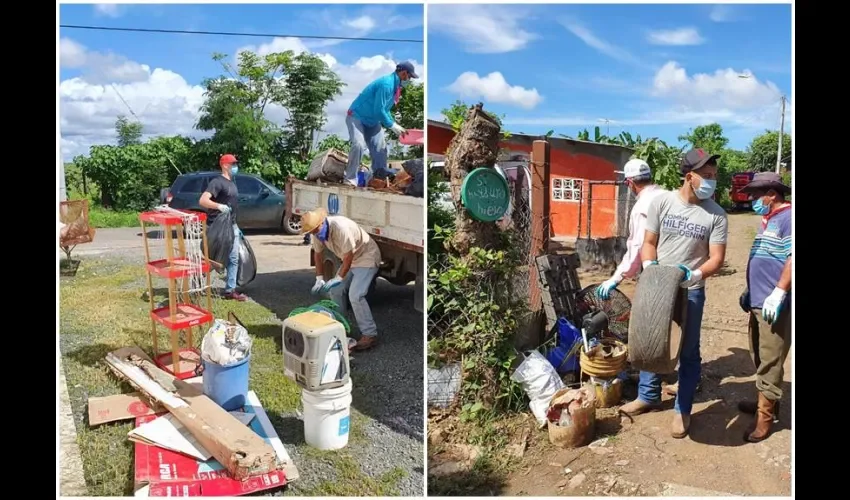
(291, 224)
(657, 320)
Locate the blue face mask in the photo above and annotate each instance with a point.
(234, 170)
(405, 83)
(323, 232)
(760, 208)
(706, 188)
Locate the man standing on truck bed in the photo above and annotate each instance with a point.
(767, 300)
(366, 116)
(359, 257)
(221, 197)
(684, 228)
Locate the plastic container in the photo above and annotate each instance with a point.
(327, 417)
(227, 385)
(568, 335)
(413, 137)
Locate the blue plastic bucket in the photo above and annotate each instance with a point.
(227, 385)
(568, 335)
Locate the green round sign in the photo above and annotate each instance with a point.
(485, 194)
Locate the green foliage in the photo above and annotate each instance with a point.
(474, 307)
(437, 215)
(762, 151)
(100, 217)
(663, 159)
(128, 132)
(410, 114)
(456, 115)
(129, 178)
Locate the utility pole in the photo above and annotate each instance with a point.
(781, 127)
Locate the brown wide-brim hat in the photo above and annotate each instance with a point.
(765, 181)
(313, 219)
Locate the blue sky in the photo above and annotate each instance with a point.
(159, 74)
(654, 70)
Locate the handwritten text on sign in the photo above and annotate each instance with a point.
(485, 194)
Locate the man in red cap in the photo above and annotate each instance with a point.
(221, 198)
(767, 299)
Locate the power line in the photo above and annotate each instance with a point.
(232, 33)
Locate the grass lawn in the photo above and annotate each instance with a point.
(102, 218)
(102, 309)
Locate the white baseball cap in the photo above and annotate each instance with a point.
(636, 168)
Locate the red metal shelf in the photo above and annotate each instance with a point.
(187, 315)
(167, 219)
(178, 268)
(188, 365)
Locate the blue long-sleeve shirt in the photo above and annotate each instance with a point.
(373, 105)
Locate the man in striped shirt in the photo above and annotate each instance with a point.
(767, 299)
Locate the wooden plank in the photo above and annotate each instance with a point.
(238, 448)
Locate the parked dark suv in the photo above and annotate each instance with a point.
(261, 205)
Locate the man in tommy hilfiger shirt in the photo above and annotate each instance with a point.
(767, 298)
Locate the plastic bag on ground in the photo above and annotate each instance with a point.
(540, 382)
(226, 343)
(247, 270)
(220, 238)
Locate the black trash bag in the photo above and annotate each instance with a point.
(247, 269)
(220, 238)
(415, 168)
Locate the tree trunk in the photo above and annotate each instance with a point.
(476, 145)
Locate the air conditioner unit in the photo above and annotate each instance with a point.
(315, 351)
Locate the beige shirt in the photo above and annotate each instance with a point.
(345, 235)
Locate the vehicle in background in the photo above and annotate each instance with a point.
(394, 221)
(741, 200)
(261, 204)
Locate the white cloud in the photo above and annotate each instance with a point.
(677, 98)
(495, 89)
(724, 89)
(680, 36)
(722, 13)
(483, 29)
(165, 102)
(369, 21)
(108, 10)
(362, 23)
(100, 67)
(591, 40)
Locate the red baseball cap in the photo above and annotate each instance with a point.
(227, 159)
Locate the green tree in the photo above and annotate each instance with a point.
(310, 86)
(763, 148)
(128, 132)
(410, 114)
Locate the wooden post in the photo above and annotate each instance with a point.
(539, 217)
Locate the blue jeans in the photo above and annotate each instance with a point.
(233, 261)
(365, 138)
(690, 362)
(356, 284)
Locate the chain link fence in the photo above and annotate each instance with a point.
(604, 228)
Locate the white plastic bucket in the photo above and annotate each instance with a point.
(327, 417)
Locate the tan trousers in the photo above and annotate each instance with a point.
(769, 346)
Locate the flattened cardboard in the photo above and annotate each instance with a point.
(119, 407)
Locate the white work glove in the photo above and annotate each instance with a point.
(604, 290)
(225, 209)
(691, 276)
(398, 129)
(333, 283)
(773, 305)
(320, 282)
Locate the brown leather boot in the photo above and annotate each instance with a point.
(751, 407)
(764, 420)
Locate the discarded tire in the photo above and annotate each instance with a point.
(657, 320)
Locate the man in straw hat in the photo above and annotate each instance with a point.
(684, 228)
(360, 257)
(767, 299)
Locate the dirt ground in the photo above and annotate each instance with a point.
(639, 457)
